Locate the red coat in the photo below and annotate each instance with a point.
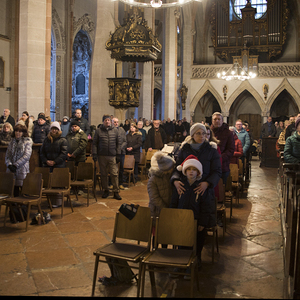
(238, 150)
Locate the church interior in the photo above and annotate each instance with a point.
(155, 59)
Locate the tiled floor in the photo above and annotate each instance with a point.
(57, 259)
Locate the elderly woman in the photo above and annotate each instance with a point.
(134, 143)
(18, 154)
(196, 144)
(292, 146)
(5, 134)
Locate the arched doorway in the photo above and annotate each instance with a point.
(283, 106)
(246, 108)
(205, 107)
(82, 52)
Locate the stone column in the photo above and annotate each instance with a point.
(186, 56)
(169, 65)
(146, 73)
(102, 66)
(35, 52)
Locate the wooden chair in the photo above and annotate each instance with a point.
(7, 183)
(139, 229)
(84, 179)
(215, 238)
(234, 172)
(142, 163)
(229, 193)
(175, 227)
(128, 167)
(31, 195)
(149, 155)
(241, 175)
(221, 207)
(71, 165)
(60, 185)
(45, 175)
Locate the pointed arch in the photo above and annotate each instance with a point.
(207, 86)
(85, 24)
(285, 85)
(245, 85)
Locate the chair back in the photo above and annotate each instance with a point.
(129, 162)
(85, 170)
(7, 183)
(221, 191)
(142, 158)
(149, 154)
(176, 227)
(89, 159)
(241, 167)
(71, 165)
(137, 229)
(61, 178)
(33, 185)
(228, 186)
(45, 175)
(234, 172)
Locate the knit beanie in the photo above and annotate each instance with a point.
(55, 124)
(297, 122)
(196, 127)
(74, 122)
(105, 117)
(41, 116)
(163, 161)
(191, 161)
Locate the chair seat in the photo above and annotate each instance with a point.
(82, 182)
(131, 251)
(21, 199)
(55, 191)
(169, 256)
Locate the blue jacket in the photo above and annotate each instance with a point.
(245, 139)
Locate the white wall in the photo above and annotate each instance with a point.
(4, 95)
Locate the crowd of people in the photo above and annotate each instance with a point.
(188, 180)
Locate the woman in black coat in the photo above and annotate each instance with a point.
(134, 143)
(196, 144)
(54, 148)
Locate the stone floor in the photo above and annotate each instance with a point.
(57, 259)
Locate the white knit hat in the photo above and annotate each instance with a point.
(191, 161)
(196, 127)
(162, 161)
(55, 124)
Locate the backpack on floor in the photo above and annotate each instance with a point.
(121, 273)
(17, 213)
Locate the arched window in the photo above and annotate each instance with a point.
(260, 5)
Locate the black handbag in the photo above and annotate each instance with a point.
(128, 210)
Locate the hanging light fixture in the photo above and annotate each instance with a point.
(244, 67)
(237, 72)
(157, 3)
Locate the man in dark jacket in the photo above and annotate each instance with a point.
(291, 128)
(170, 130)
(224, 135)
(107, 150)
(7, 117)
(77, 141)
(156, 137)
(84, 124)
(268, 129)
(40, 130)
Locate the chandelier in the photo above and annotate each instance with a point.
(157, 3)
(244, 67)
(236, 72)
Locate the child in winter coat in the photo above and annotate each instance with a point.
(192, 171)
(159, 186)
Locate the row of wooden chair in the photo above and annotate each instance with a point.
(174, 227)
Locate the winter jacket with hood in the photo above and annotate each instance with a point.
(292, 149)
(77, 142)
(18, 153)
